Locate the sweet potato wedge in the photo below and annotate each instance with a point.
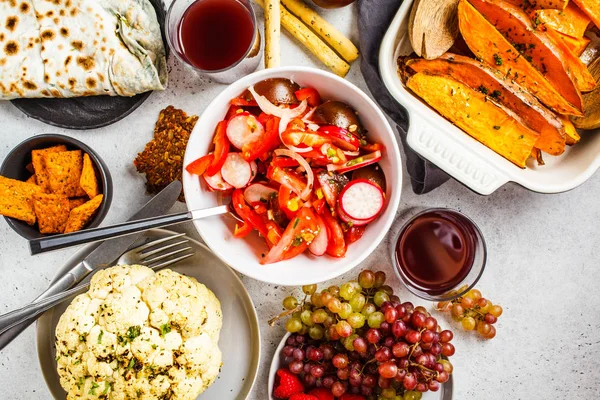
(492, 124)
(570, 21)
(572, 135)
(565, 72)
(575, 45)
(591, 8)
(497, 88)
(540, 4)
(493, 48)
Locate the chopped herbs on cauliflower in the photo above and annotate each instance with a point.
(136, 334)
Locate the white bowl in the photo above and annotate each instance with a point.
(467, 160)
(244, 254)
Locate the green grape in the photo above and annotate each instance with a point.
(334, 305)
(368, 309)
(306, 318)
(293, 325)
(366, 279)
(334, 290)
(347, 291)
(296, 315)
(412, 396)
(315, 299)
(380, 298)
(375, 319)
(379, 279)
(289, 303)
(348, 342)
(356, 320)
(357, 302)
(316, 332)
(345, 311)
(389, 393)
(309, 289)
(319, 316)
(304, 330)
(307, 306)
(387, 289)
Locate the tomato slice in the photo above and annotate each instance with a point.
(296, 138)
(241, 101)
(319, 205)
(285, 195)
(275, 232)
(269, 142)
(337, 245)
(199, 166)
(299, 233)
(247, 214)
(354, 233)
(221, 149)
(309, 94)
(341, 137)
(284, 162)
(286, 178)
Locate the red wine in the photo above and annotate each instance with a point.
(215, 34)
(435, 251)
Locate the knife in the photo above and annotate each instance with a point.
(105, 254)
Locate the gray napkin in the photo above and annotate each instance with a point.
(374, 18)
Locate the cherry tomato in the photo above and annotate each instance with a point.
(309, 94)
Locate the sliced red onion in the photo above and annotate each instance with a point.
(269, 108)
(309, 174)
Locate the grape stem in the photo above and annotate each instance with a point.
(273, 320)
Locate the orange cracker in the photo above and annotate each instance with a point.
(39, 164)
(77, 201)
(32, 180)
(52, 212)
(64, 172)
(16, 199)
(89, 181)
(80, 216)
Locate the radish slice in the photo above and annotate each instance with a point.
(361, 200)
(318, 247)
(257, 192)
(244, 129)
(355, 222)
(310, 177)
(216, 182)
(236, 171)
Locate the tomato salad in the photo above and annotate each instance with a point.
(300, 171)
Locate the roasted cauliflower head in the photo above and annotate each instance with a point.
(136, 334)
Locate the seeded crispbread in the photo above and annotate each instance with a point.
(39, 164)
(52, 212)
(64, 172)
(16, 199)
(89, 181)
(82, 215)
(77, 201)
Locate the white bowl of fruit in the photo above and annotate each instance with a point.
(365, 344)
(312, 168)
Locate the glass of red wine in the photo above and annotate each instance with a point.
(217, 38)
(439, 254)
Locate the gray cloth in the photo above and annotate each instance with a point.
(374, 18)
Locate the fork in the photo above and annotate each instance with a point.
(154, 258)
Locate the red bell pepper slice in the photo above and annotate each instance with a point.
(264, 118)
(243, 231)
(221, 149)
(286, 178)
(247, 214)
(269, 142)
(240, 101)
(372, 147)
(275, 232)
(299, 233)
(199, 166)
(319, 205)
(285, 195)
(284, 162)
(341, 137)
(232, 112)
(309, 94)
(337, 245)
(259, 207)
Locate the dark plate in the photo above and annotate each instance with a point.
(88, 112)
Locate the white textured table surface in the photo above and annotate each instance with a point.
(543, 268)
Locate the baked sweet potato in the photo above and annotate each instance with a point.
(570, 21)
(497, 88)
(540, 4)
(493, 48)
(575, 45)
(565, 72)
(492, 124)
(591, 8)
(572, 135)
(591, 119)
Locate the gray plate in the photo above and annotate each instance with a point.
(88, 112)
(445, 392)
(240, 335)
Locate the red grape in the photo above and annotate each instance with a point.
(490, 319)
(410, 381)
(412, 336)
(360, 345)
(391, 315)
(340, 361)
(448, 349)
(328, 381)
(383, 354)
(431, 323)
(288, 351)
(309, 380)
(433, 386)
(418, 319)
(427, 336)
(298, 354)
(343, 374)
(338, 389)
(296, 367)
(384, 383)
(317, 371)
(400, 349)
(421, 387)
(369, 381)
(398, 328)
(442, 377)
(373, 336)
(388, 370)
(446, 336)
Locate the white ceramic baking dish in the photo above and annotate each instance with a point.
(463, 157)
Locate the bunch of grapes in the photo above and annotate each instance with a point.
(474, 313)
(360, 338)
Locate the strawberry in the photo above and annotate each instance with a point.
(321, 394)
(302, 396)
(289, 384)
(349, 396)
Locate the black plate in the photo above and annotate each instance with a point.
(88, 112)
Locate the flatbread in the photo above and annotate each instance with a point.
(72, 48)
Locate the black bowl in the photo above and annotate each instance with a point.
(15, 163)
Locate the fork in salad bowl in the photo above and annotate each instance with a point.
(155, 254)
